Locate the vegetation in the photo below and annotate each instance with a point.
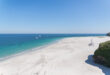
(108, 34)
(102, 54)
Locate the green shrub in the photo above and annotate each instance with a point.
(102, 54)
(108, 34)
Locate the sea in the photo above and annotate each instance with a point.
(11, 44)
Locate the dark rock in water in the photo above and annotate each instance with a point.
(108, 34)
(102, 54)
(99, 59)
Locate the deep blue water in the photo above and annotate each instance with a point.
(16, 43)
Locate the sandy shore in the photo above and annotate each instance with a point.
(70, 56)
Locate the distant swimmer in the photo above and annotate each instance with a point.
(36, 37)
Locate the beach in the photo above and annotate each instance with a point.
(68, 56)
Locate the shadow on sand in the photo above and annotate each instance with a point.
(90, 61)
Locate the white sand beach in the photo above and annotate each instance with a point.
(69, 56)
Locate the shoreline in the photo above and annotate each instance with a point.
(29, 50)
(38, 48)
(64, 57)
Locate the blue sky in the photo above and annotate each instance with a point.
(54, 16)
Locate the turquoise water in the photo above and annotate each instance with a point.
(15, 43)
(17, 48)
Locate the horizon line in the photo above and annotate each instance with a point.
(53, 33)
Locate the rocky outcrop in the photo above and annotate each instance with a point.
(108, 34)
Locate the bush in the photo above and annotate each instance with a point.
(102, 54)
(108, 34)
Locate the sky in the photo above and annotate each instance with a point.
(54, 16)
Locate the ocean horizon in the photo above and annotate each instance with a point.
(11, 44)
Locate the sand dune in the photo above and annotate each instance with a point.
(69, 56)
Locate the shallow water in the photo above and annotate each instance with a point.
(16, 43)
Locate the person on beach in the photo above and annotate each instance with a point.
(91, 44)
